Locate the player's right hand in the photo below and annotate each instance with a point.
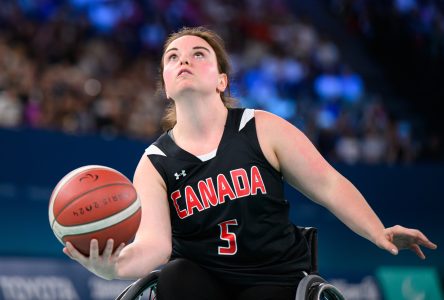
(103, 265)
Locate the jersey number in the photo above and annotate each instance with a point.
(228, 236)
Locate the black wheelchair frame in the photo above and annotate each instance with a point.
(311, 287)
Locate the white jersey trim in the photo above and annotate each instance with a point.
(246, 117)
(153, 149)
(207, 156)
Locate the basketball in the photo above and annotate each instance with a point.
(94, 202)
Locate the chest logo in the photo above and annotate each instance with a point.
(181, 174)
(217, 190)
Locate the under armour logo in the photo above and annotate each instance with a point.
(180, 174)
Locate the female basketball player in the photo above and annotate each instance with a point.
(213, 206)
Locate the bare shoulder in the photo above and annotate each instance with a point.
(149, 183)
(146, 173)
(265, 122)
(269, 128)
(286, 147)
(269, 123)
(264, 116)
(275, 130)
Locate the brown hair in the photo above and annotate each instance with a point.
(216, 42)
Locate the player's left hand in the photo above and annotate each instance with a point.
(399, 238)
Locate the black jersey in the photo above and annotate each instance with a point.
(228, 211)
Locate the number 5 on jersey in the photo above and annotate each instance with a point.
(228, 236)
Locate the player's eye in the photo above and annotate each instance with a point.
(199, 54)
(172, 57)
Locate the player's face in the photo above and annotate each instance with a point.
(190, 65)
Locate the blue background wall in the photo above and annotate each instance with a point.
(33, 162)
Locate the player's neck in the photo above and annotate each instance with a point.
(199, 121)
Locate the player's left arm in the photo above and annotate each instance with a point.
(302, 166)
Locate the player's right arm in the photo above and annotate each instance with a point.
(152, 244)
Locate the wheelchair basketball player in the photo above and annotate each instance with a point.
(211, 187)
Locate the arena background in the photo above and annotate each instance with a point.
(361, 78)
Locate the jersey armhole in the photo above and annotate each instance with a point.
(154, 154)
(251, 129)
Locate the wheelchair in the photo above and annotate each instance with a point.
(311, 287)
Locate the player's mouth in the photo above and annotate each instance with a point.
(184, 71)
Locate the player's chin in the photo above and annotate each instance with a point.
(186, 90)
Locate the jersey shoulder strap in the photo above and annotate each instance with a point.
(238, 118)
(157, 152)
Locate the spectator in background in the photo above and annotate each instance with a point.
(32, 112)
(348, 148)
(374, 146)
(11, 110)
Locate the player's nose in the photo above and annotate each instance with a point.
(184, 60)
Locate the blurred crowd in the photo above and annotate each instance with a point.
(417, 24)
(407, 37)
(88, 67)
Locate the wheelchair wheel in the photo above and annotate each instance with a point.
(314, 287)
(145, 287)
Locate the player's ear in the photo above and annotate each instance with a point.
(222, 82)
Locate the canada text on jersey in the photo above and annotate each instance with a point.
(207, 194)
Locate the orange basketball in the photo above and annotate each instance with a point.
(94, 202)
